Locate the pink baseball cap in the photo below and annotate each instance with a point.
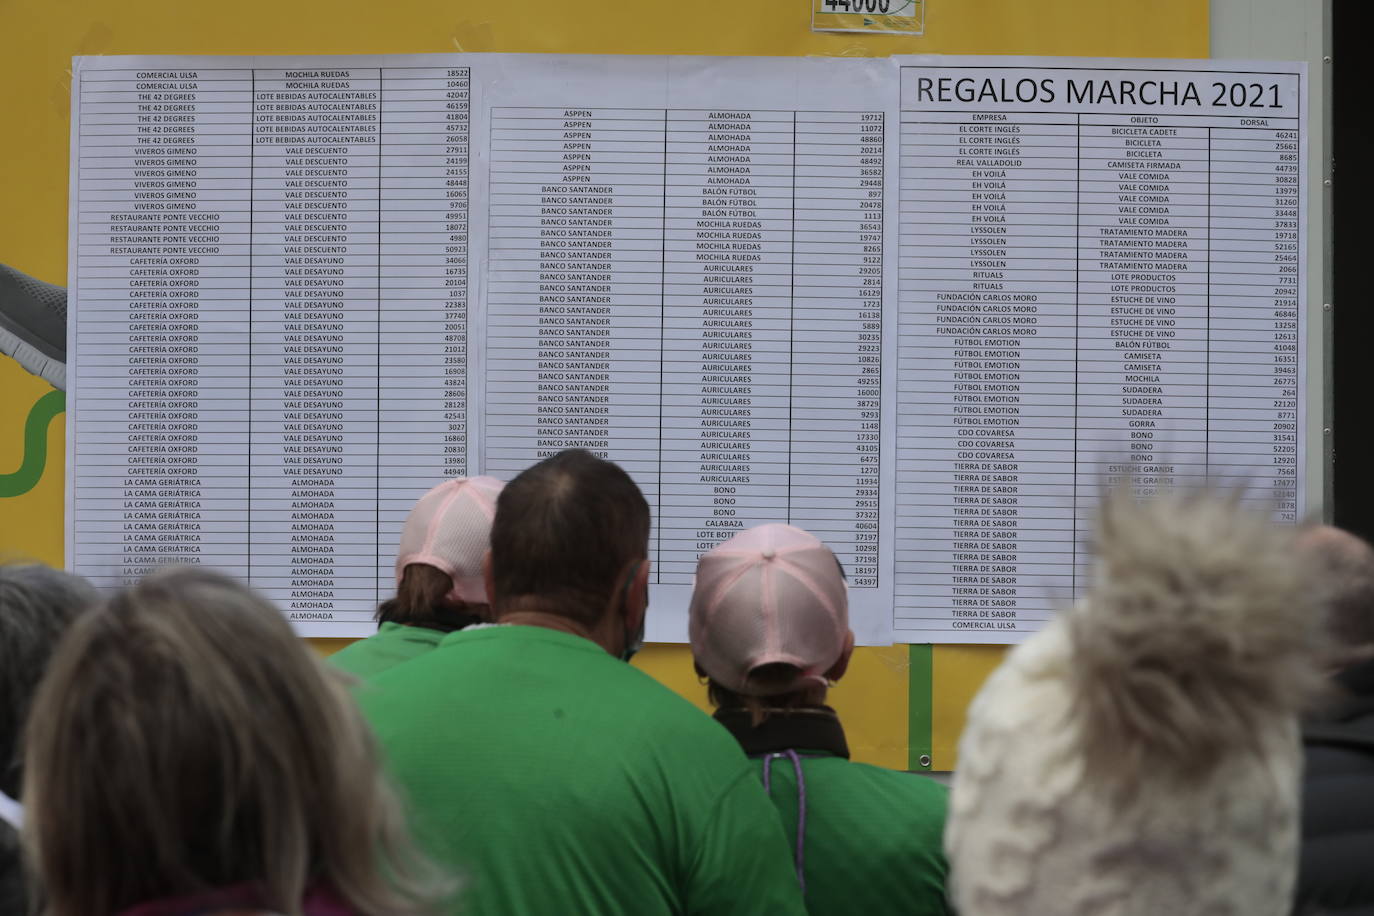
(771, 594)
(450, 529)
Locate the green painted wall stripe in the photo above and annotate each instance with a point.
(35, 458)
(918, 693)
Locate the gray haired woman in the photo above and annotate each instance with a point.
(188, 755)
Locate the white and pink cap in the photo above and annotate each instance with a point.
(771, 594)
(450, 529)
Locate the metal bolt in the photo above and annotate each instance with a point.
(1327, 431)
(1326, 58)
(1327, 182)
(1326, 306)
(924, 760)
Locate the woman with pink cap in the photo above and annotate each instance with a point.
(769, 625)
(439, 584)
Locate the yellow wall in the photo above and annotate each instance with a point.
(41, 36)
(31, 523)
(956, 674)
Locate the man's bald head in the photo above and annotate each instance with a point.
(1345, 564)
(565, 532)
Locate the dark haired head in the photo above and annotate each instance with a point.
(37, 604)
(422, 600)
(566, 531)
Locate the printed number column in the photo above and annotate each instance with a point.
(424, 294)
(575, 295)
(727, 328)
(836, 388)
(161, 311)
(1256, 290)
(314, 435)
(986, 439)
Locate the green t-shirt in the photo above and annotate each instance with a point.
(874, 837)
(391, 645)
(557, 779)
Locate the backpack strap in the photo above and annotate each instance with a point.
(800, 856)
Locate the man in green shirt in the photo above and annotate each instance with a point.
(440, 586)
(769, 624)
(552, 776)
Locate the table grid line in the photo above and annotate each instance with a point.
(791, 315)
(377, 421)
(1077, 319)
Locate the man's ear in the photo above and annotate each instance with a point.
(637, 596)
(841, 665)
(489, 581)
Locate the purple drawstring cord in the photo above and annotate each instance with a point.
(801, 806)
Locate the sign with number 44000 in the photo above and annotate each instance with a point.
(905, 17)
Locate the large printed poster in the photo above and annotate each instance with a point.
(923, 307)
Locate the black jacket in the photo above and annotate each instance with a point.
(1336, 875)
(12, 898)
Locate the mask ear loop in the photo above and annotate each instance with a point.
(629, 580)
(630, 649)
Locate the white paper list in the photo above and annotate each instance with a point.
(686, 274)
(924, 308)
(1102, 282)
(270, 275)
